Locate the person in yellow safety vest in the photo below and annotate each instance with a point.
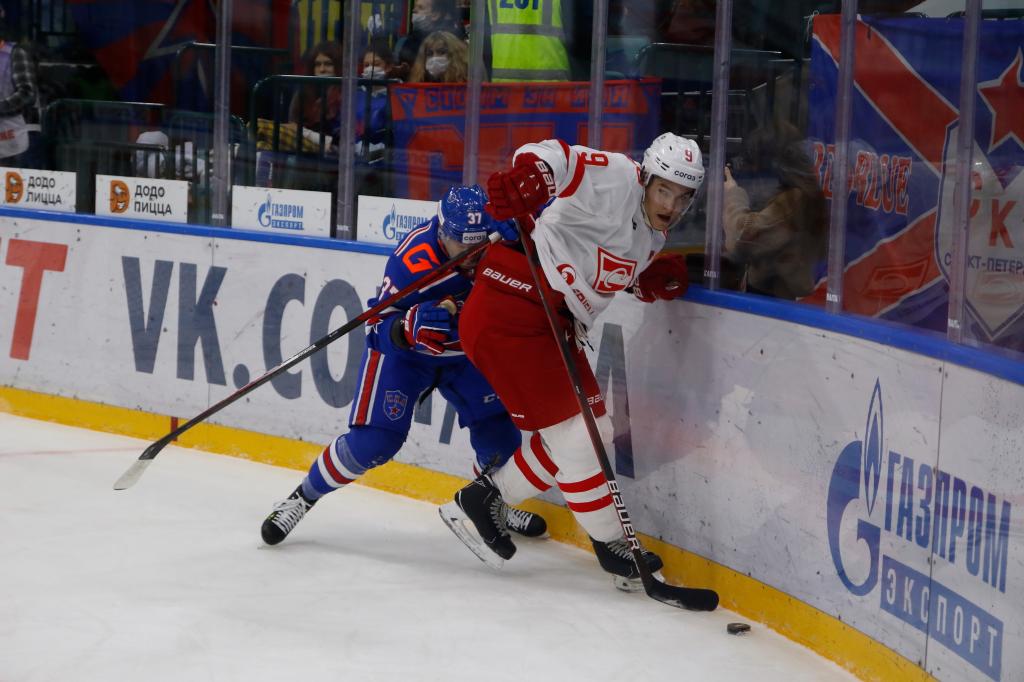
(527, 40)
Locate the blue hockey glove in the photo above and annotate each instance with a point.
(506, 228)
(428, 326)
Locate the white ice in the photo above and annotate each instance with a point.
(169, 580)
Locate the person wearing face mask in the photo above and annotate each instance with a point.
(372, 100)
(443, 58)
(607, 219)
(428, 16)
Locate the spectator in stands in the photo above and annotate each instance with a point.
(443, 58)
(318, 107)
(779, 237)
(372, 100)
(428, 16)
(20, 144)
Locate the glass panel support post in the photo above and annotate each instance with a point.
(715, 176)
(597, 64)
(841, 162)
(471, 148)
(345, 227)
(220, 181)
(964, 167)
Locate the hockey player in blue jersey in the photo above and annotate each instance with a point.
(412, 349)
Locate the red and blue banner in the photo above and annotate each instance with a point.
(137, 45)
(902, 170)
(429, 125)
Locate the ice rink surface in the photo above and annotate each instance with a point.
(169, 580)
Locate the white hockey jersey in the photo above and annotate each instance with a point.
(593, 240)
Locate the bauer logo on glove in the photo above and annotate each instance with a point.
(665, 278)
(522, 190)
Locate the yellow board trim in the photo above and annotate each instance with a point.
(804, 624)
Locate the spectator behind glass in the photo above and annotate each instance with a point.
(428, 16)
(443, 58)
(20, 145)
(318, 102)
(779, 235)
(372, 100)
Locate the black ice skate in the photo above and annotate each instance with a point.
(525, 523)
(479, 504)
(285, 516)
(617, 558)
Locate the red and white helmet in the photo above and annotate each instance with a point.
(675, 158)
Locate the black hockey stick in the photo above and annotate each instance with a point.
(691, 598)
(135, 471)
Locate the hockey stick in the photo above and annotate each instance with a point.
(135, 471)
(691, 598)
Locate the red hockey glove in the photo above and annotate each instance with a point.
(665, 278)
(428, 326)
(522, 190)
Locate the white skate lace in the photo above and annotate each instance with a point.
(620, 548)
(517, 519)
(289, 512)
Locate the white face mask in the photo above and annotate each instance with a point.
(369, 73)
(420, 21)
(437, 65)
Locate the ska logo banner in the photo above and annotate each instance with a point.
(429, 124)
(890, 515)
(902, 170)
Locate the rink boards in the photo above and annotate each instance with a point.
(846, 486)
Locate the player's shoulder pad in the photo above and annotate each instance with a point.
(416, 255)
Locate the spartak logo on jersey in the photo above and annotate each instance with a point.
(613, 272)
(568, 273)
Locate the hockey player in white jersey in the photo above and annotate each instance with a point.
(600, 235)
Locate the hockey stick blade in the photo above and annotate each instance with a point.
(689, 598)
(459, 524)
(132, 475)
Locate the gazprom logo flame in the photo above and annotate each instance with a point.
(396, 226)
(871, 454)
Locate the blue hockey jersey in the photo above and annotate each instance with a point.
(418, 254)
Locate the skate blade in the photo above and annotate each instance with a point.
(459, 524)
(632, 584)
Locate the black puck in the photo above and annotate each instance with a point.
(737, 628)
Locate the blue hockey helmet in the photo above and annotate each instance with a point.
(461, 215)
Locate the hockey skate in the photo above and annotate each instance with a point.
(285, 516)
(525, 523)
(477, 517)
(617, 558)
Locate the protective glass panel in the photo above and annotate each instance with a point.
(775, 216)
(901, 165)
(121, 96)
(994, 278)
(539, 60)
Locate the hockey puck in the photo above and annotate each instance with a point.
(737, 628)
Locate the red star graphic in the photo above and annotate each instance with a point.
(1004, 97)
